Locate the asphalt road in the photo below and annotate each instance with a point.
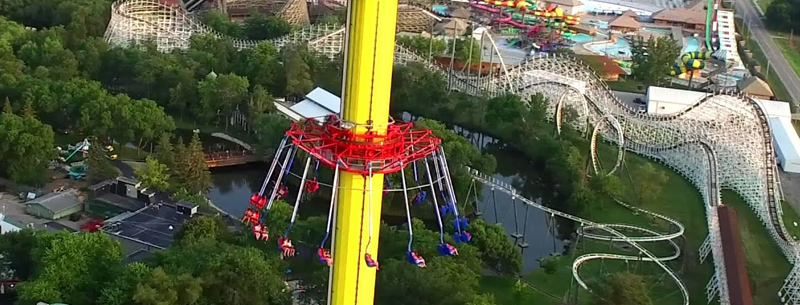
(749, 13)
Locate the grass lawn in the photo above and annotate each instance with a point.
(679, 200)
(763, 4)
(628, 86)
(766, 265)
(790, 51)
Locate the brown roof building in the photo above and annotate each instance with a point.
(756, 87)
(606, 68)
(688, 18)
(625, 24)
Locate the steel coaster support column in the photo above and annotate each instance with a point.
(369, 56)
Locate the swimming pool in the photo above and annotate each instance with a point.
(581, 38)
(692, 44)
(440, 9)
(603, 25)
(621, 48)
(658, 31)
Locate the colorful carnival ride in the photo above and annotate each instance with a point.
(362, 146)
(690, 61)
(543, 26)
(333, 144)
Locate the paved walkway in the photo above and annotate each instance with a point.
(232, 139)
(747, 10)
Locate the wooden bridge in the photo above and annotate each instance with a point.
(231, 158)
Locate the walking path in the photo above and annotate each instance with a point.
(752, 19)
(232, 139)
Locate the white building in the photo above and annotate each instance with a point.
(787, 144)
(6, 227)
(663, 101)
(318, 104)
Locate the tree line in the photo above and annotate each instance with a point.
(782, 15)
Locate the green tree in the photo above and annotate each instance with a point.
(198, 228)
(26, 149)
(153, 174)
(260, 102)
(193, 173)
(497, 251)
(270, 128)
(620, 288)
(99, 166)
(648, 183)
(121, 290)
(229, 274)
(482, 299)
(609, 186)
(15, 249)
(261, 65)
(653, 58)
(72, 269)
(165, 152)
(159, 288)
(221, 95)
(423, 45)
(298, 74)
(260, 27)
(782, 15)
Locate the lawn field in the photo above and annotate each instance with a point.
(679, 200)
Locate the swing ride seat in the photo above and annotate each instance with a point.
(463, 237)
(325, 256)
(461, 222)
(258, 201)
(420, 197)
(285, 246)
(260, 232)
(415, 259)
(336, 143)
(371, 262)
(312, 185)
(251, 216)
(447, 249)
(282, 191)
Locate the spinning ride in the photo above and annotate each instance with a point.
(361, 146)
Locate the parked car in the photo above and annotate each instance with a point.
(639, 101)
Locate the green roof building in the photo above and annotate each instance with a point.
(55, 205)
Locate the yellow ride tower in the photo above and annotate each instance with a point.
(369, 57)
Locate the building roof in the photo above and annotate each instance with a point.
(683, 15)
(450, 25)
(572, 3)
(57, 202)
(154, 225)
(697, 5)
(57, 227)
(675, 96)
(625, 22)
(603, 65)
(318, 104)
(755, 86)
(775, 109)
(630, 13)
(460, 13)
(785, 138)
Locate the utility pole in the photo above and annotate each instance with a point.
(767, 73)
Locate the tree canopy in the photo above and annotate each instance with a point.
(653, 58)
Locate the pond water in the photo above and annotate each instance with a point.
(233, 186)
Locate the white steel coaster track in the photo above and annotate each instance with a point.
(732, 127)
(612, 229)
